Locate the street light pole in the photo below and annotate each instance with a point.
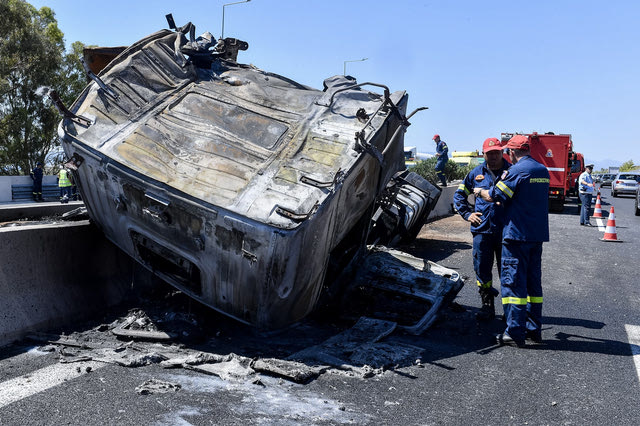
(344, 70)
(225, 5)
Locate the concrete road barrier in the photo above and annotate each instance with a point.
(15, 211)
(54, 275)
(444, 206)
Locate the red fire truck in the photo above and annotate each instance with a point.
(564, 165)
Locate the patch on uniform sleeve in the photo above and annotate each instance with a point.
(479, 178)
(504, 174)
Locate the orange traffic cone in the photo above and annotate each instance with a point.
(597, 211)
(610, 232)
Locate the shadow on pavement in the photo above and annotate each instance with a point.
(575, 322)
(435, 250)
(577, 343)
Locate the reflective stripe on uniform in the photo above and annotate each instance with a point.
(504, 188)
(532, 299)
(514, 301)
(485, 285)
(462, 187)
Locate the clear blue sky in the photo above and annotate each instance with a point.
(482, 67)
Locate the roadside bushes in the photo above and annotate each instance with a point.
(452, 170)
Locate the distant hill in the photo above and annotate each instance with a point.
(603, 164)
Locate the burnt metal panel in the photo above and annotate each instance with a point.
(234, 184)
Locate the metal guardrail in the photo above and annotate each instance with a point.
(25, 192)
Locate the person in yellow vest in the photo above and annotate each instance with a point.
(64, 183)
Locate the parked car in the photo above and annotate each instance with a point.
(637, 199)
(625, 183)
(605, 180)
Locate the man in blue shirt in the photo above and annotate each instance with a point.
(586, 188)
(442, 154)
(486, 222)
(524, 192)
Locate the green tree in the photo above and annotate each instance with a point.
(32, 60)
(452, 170)
(627, 166)
(70, 82)
(72, 76)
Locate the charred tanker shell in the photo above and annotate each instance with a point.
(242, 188)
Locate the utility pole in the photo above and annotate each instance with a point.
(344, 71)
(225, 5)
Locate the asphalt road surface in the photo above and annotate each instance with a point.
(586, 371)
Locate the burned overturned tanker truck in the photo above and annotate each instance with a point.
(249, 192)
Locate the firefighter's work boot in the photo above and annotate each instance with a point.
(488, 310)
(505, 339)
(534, 336)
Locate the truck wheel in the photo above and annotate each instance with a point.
(637, 207)
(556, 206)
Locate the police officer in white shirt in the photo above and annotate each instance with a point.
(586, 188)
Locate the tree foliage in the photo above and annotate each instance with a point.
(452, 170)
(627, 166)
(32, 60)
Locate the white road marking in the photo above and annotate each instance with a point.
(601, 225)
(633, 333)
(40, 380)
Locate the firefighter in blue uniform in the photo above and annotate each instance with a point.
(524, 192)
(486, 222)
(36, 174)
(442, 153)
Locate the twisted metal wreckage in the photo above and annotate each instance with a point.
(247, 191)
